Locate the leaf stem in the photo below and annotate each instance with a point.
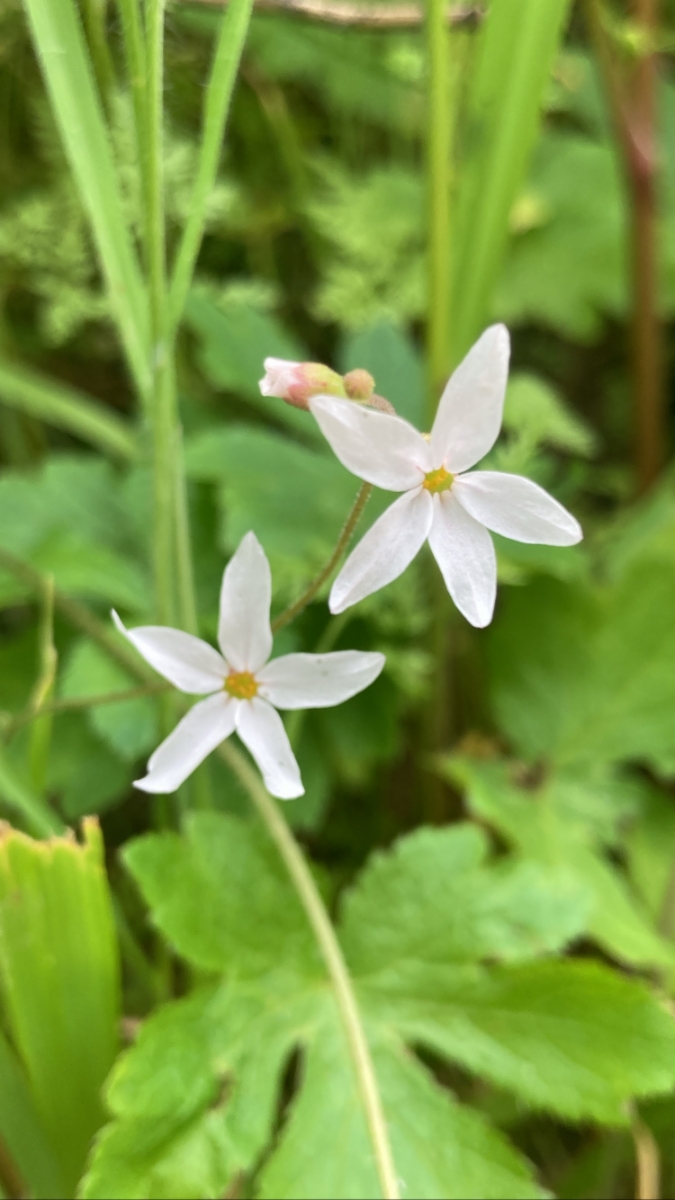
(77, 703)
(329, 946)
(289, 614)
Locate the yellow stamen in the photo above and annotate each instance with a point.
(241, 685)
(438, 481)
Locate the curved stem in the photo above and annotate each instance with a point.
(290, 613)
(329, 946)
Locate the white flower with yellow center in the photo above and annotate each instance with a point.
(243, 688)
(440, 502)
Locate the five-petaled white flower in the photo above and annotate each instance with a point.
(241, 685)
(453, 510)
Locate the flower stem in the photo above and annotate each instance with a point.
(289, 614)
(329, 946)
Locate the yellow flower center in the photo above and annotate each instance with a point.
(438, 481)
(241, 685)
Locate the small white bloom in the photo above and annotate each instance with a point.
(240, 684)
(440, 502)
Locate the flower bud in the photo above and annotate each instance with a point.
(359, 384)
(297, 382)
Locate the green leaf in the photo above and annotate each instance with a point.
(22, 802)
(61, 48)
(203, 902)
(513, 62)
(581, 677)
(83, 773)
(441, 1148)
(509, 912)
(66, 408)
(59, 982)
(128, 727)
(577, 184)
(530, 820)
(195, 1098)
(547, 1031)
(536, 415)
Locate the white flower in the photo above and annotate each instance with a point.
(439, 502)
(241, 685)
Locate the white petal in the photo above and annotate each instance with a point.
(318, 680)
(262, 731)
(280, 375)
(385, 551)
(196, 735)
(469, 415)
(377, 447)
(464, 551)
(186, 661)
(244, 630)
(516, 508)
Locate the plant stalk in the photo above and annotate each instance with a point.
(289, 614)
(329, 947)
(439, 133)
(633, 110)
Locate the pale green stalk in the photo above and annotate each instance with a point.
(95, 22)
(163, 412)
(439, 139)
(315, 911)
(233, 30)
(134, 48)
(41, 733)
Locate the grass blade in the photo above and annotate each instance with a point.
(66, 408)
(61, 48)
(513, 60)
(231, 38)
(18, 797)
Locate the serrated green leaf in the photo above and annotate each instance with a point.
(547, 1031)
(531, 822)
(203, 900)
(535, 413)
(434, 899)
(441, 1148)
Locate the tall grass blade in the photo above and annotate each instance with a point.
(514, 56)
(21, 1130)
(61, 48)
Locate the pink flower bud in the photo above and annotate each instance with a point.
(359, 384)
(297, 382)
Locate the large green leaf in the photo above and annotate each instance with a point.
(223, 902)
(59, 982)
(129, 726)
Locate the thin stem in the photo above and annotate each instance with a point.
(329, 947)
(134, 47)
(187, 604)
(648, 1165)
(78, 703)
(95, 25)
(163, 393)
(633, 110)
(438, 198)
(233, 30)
(41, 732)
(290, 613)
